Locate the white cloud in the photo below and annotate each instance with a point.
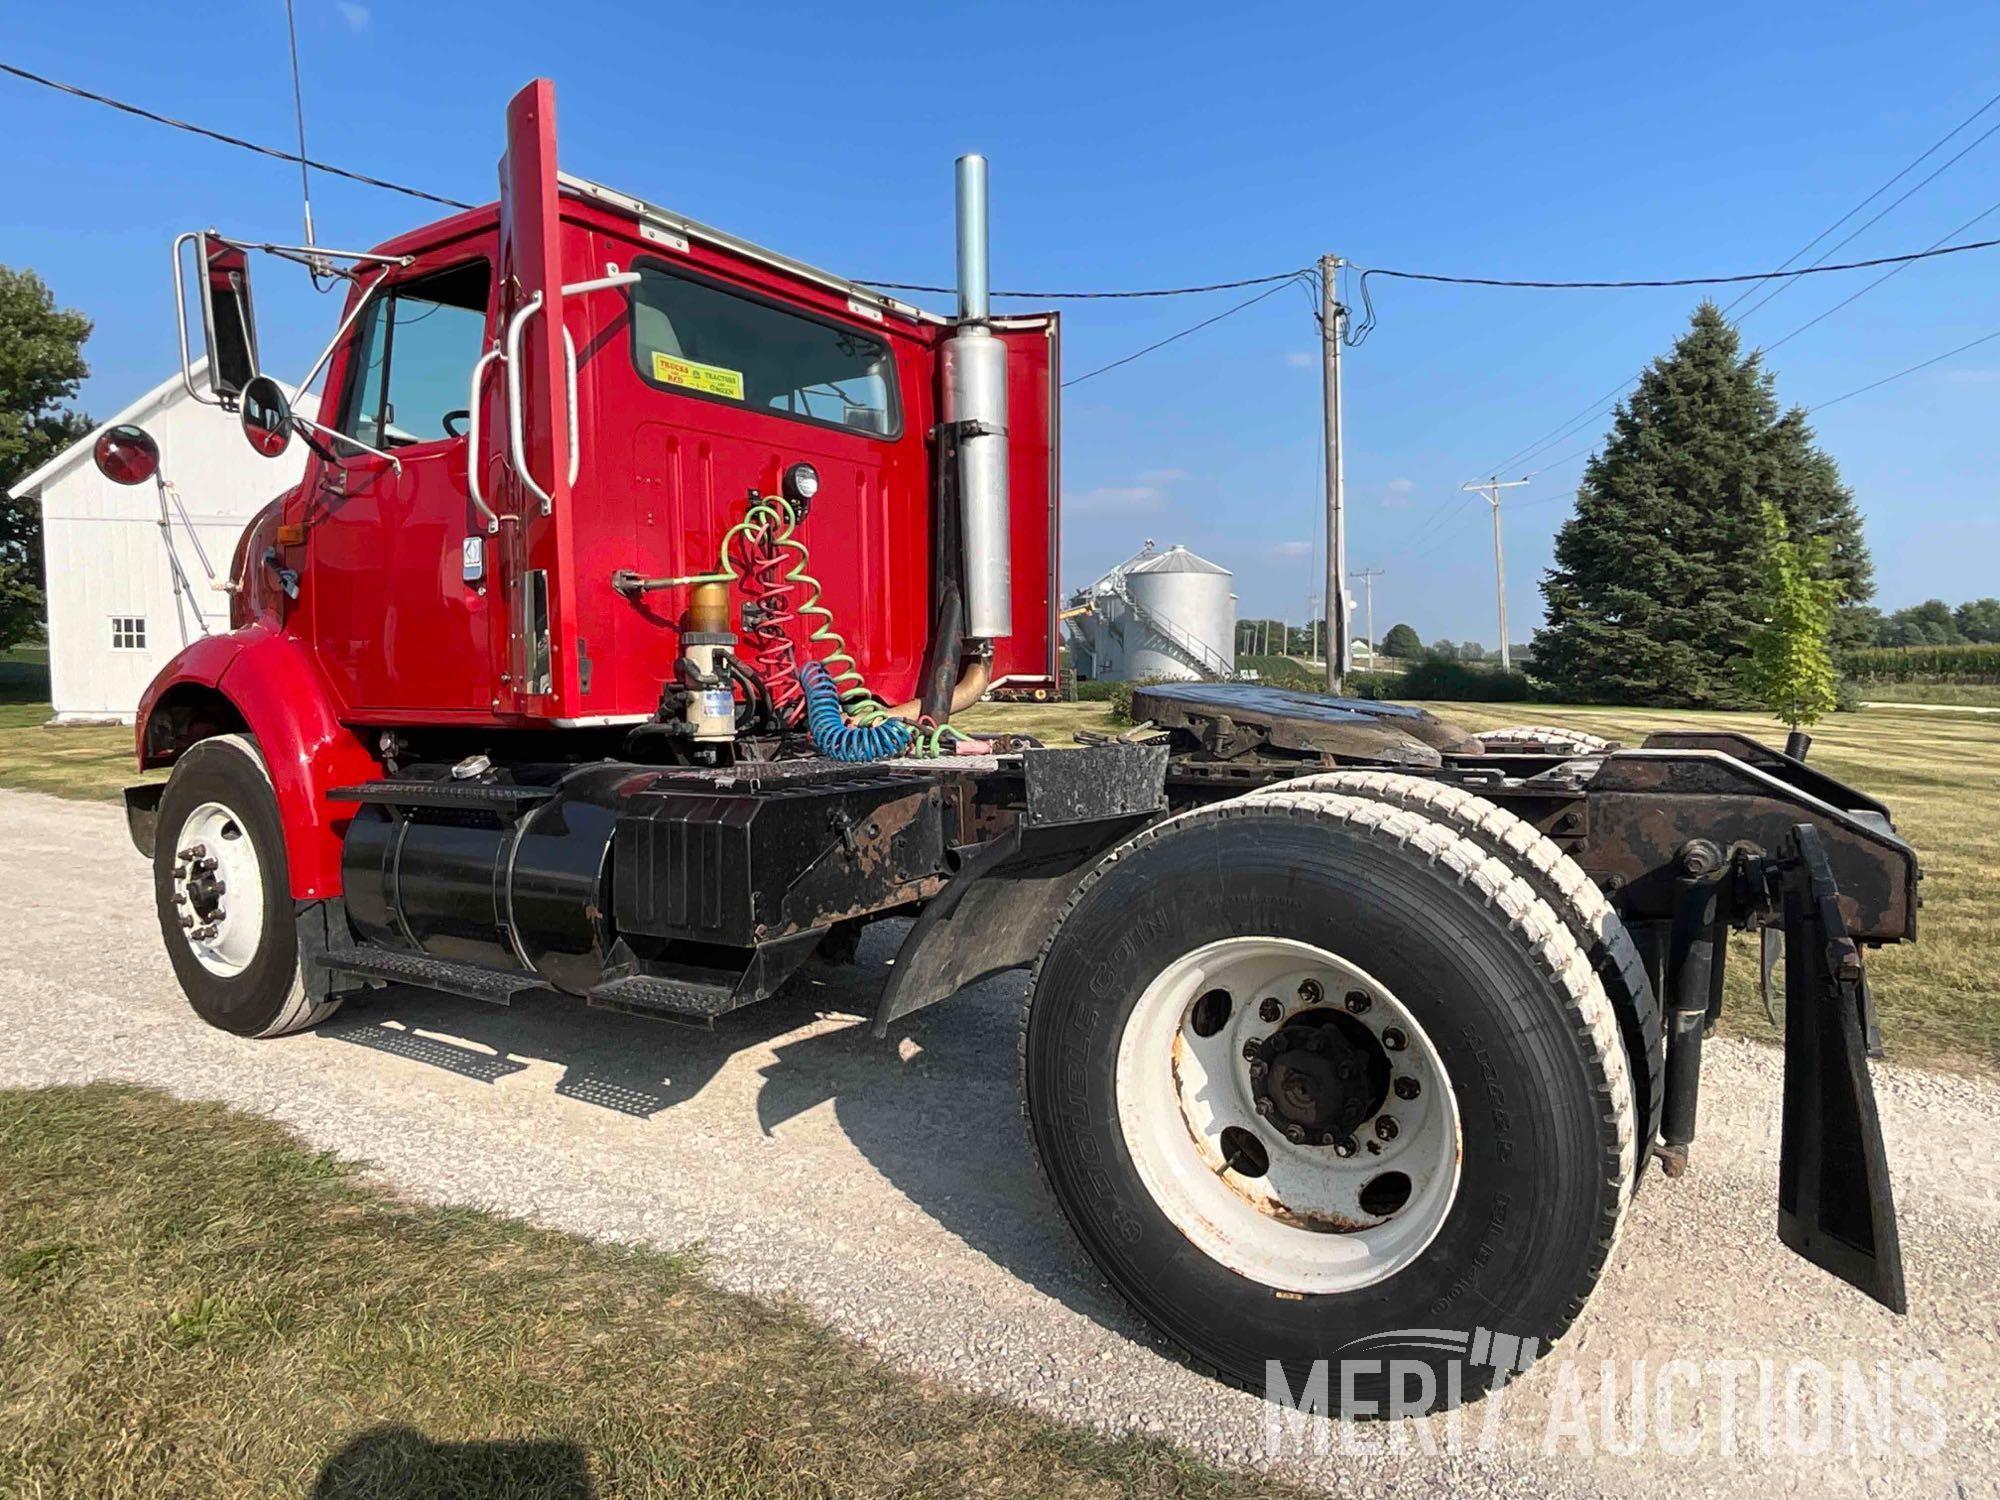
(1292, 549)
(356, 16)
(1117, 498)
(1301, 359)
(1398, 493)
(1163, 476)
(1401, 486)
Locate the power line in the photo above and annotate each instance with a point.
(1921, 365)
(1271, 291)
(1571, 425)
(1908, 168)
(228, 140)
(1856, 296)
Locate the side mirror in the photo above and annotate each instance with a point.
(228, 323)
(126, 454)
(266, 416)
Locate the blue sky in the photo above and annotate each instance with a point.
(1145, 146)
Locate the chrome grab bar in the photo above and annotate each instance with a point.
(474, 458)
(516, 326)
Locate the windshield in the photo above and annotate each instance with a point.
(697, 339)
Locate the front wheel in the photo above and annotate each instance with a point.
(1318, 1079)
(224, 899)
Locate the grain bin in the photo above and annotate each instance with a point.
(1183, 618)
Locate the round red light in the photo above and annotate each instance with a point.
(126, 454)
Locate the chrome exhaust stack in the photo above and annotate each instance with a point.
(975, 408)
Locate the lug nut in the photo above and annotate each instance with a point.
(220, 888)
(1268, 1009)
(180, 898)
(1251, 1049)
(1258, 1069)
(1309, 992)
(1386, 1128)
(1345, 1147)
(187, 921)
(1394, 1040)
(1264, 1105)
(1407, 1088)
(1358, 1001)
(1295, 1133)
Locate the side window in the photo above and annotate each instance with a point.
(704, 340)
(412, 356)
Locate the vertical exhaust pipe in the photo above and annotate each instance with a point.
(975, 405)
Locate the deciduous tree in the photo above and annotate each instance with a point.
(41, 365)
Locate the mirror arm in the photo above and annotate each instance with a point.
(341, 437)
(338, 334)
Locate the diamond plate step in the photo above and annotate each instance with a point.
(429, 973)
(680, 999)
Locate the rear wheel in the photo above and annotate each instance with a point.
(1558, 880)
(224, 900)
(1317, 1078)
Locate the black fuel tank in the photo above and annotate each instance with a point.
(512, 884)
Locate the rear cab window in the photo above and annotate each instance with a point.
(696, 337)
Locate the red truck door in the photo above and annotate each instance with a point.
(397, 622)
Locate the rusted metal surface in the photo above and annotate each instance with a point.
(1645, 805)
(1229, 720)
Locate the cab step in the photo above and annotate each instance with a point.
(698, 993)
(495, 986)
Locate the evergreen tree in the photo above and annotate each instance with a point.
(1789, 668)
(41, 364)
(1649, 598)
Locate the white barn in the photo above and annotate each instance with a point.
(115, 611)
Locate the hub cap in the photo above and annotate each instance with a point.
(218, 889)
(1288, 1114)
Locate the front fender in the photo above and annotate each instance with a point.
(267, 679)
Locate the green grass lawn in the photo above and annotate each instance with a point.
(193, 1304)
(1954, 694)
(1939, 772)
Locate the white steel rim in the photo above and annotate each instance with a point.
(1313, 1221)
(218, 889)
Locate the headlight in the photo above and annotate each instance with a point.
(801, 483)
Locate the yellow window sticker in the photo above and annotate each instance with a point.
(711, 380)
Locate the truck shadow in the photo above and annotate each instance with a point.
(403, 1462)
(934, 1107)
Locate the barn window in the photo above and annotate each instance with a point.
(128, 632)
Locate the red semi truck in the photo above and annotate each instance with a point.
(609, 648)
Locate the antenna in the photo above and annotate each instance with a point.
(318, 265)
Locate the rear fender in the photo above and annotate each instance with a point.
(260, 681)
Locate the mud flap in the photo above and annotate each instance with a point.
(1835, 1206)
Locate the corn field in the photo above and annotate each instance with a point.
(1961, 664)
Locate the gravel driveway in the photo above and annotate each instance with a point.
(887, 1186)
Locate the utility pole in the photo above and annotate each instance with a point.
(1491, 489)
(1368, 577)
(1330, 320)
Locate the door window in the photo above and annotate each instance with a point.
(412, 357)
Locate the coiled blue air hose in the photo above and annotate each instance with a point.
(833, 736)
